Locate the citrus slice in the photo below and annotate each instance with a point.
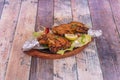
(71, 37)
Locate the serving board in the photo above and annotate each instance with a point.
(40, 54)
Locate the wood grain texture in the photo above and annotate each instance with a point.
(64, 69)
(108, 44)
(115, 5)
(19, 63)
(88, 65)
(7, 28)
(2, 2)
(42, 69)
(45, 14)
(62, 12)
(80, 12)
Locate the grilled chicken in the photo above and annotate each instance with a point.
(71, 28)
(79, 27)
(54, 42)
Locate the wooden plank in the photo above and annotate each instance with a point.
(64, 69)
(1, 6)
(42, 69)
(88, 65)
(80, 12)
(19, 63)
(115, 5)
(108, 44)
(7, 29)
(45, 14)
(60, 7)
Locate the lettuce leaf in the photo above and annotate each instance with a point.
(82, 40)
(37, 34)
(61, 52)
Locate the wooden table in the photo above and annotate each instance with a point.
(99, 61)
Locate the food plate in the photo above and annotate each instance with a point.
(48, 55)
(60, 41)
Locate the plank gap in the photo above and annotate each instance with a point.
(112, 10)
(13, 35)
(108, 43)
(88, 64)
(2, 2)
(24, 29)
(42, 69)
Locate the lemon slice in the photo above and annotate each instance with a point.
(71, 37)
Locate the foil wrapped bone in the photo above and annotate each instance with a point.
(34, 44)
(95, 33)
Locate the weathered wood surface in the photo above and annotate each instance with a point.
(2, 2)
(62, 12)
(19, 18)
(64, 69)
(42, 69)
(19, 63)
(44, 14)
(109, 43)
(88, 65)
(7, 28)
(80, 12)
(115, 4)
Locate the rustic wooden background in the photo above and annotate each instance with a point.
(99, 61)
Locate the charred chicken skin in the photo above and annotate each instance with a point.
(54, 42)
(71, 28)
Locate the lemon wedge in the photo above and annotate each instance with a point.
(71, 37)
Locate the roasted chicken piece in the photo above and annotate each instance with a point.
(79, 27)
(71, 28)
(62, 29)
(54, 42)
(43, 39)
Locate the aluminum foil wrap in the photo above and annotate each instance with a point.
(32, 44)
(95, 33)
